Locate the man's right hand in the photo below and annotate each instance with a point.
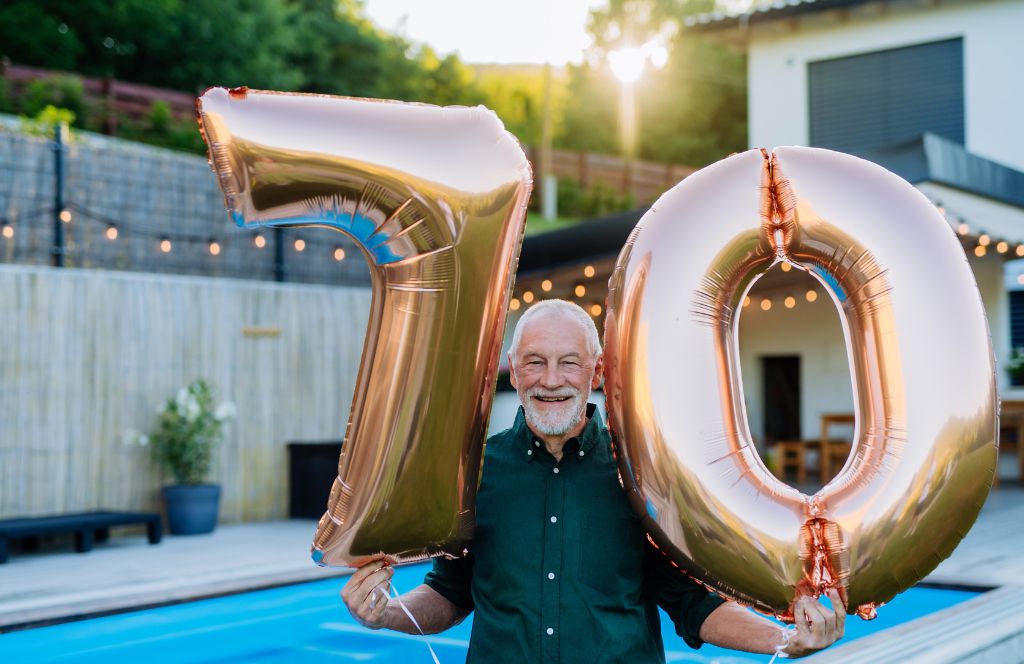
(366, 593)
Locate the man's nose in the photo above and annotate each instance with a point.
(552, 377)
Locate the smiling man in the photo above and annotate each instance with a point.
(560, 569)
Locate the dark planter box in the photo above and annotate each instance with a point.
(312, 467)
(192, 508)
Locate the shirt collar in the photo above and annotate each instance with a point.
(587, 438)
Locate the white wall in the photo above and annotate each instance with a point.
(993, 34)
(813, 332)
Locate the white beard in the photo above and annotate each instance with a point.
(558, 421)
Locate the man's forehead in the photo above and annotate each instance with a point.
(549, 328)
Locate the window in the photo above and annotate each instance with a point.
(868, 101)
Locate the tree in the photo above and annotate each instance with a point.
(693, 111)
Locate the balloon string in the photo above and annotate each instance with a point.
(787, 634)
(405, 609)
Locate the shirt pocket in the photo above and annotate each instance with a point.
(611, 554)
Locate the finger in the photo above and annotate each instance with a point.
(358, 594)
(839, 604)
(839, 610)
(821, 624)
(358, 577)
(803, 624)
(381, 576)
(380, 608)
(374, 598)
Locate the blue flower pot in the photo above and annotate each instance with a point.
(192, 508)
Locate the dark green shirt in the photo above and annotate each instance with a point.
(560, 569)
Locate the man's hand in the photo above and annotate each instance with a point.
(817, 626)
(366, 593)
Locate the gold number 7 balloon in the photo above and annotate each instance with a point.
(436, 199)
(920, 357)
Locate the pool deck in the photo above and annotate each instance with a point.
(126, 572)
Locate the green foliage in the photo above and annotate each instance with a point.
(46, 120)
(187, 430)
(61, 91)
(595, 201)
(161, 128)
(693, 111)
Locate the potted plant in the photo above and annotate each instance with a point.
(188, 428)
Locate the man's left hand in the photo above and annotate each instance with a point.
(817, 626)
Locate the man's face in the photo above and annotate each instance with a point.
(553, 371)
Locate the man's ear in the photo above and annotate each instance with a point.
(512, 372)
(598, 373)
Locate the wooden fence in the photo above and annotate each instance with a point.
(87, 357)
(645, 180)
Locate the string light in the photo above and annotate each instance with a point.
(528, 297)
(746, 301)
(595, 309)
(7, 230)
(65, 216)
(979, 251)
(1002, 247)
(165, 245)
(1020, 250)
(789, 302)
(580, 290)
(339, 254)
(766, 304)
(259, 241)
(983, 240)
(514, 304)
(111, 232)
(588, 271)
(786, 267)
(545, 285)
(812, 295)
(963, 229)
(300, 244)
(214, 247)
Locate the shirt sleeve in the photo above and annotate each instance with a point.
(453, 580)
(686, 602)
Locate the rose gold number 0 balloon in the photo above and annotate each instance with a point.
(920, 357)
(436, 199)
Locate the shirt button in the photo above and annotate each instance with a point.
(581, 452)
(529, 452)
(554, 519)
(550, 631)
(536, 443)
(554, 470)
(551, 575)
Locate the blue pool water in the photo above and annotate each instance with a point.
(307, 623)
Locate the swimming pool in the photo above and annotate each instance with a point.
(307, 623)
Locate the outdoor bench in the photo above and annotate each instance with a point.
(86, 526)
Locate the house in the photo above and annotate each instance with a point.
(926, 89)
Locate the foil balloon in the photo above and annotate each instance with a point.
(436, 199)
(920, 358)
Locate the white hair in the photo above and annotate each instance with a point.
(566, 309)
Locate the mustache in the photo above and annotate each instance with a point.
(555, 394)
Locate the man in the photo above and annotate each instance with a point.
(560, 569)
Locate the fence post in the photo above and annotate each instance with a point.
(58, 250)
(279, 267)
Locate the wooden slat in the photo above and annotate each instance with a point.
(87, 356)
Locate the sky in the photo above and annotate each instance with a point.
(534, 31)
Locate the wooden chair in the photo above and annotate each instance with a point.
(791, 455)
(834, 451)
